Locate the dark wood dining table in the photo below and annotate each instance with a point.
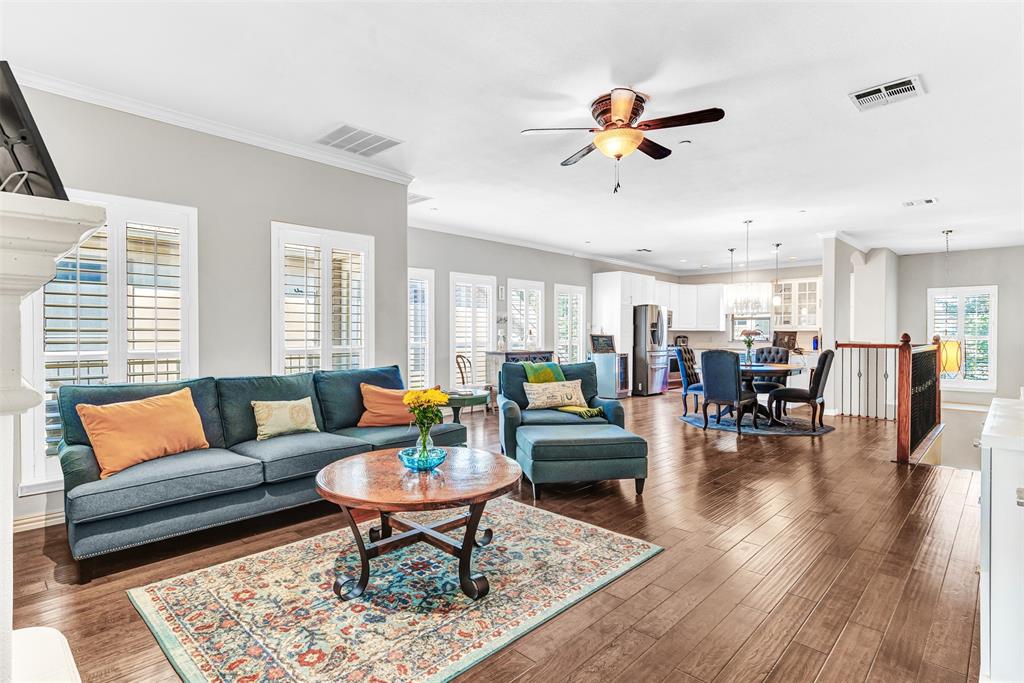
(752, 371)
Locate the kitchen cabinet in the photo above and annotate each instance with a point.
(615, 295)
(684, 307)
(710, 307)
(800, 308)
(663, 294)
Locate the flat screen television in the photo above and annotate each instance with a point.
(23, 148)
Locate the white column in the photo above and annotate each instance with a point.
(34, 232)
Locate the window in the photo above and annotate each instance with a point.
(762, 323)
(525, 314)
(968, 315)
(472, 324)
(570, 323)
(421, 328)
(323, 299)
(121, 308)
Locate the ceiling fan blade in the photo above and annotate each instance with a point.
(653, 149)
(690, 119)
(544, 131)
(622, 105)
(579, 155)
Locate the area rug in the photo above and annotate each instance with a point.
(794, 426)
(273, 616)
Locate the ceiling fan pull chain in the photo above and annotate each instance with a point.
(615, 190)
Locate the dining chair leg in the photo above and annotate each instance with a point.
(739, 418)
(821, 415)
(814, 415)
(696, 403)
(718, 413)
(755, 415)
(771, 406)
(705, 416)
(685, 406)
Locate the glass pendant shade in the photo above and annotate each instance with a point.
(776, 300)
(618, 142)
(950, 356)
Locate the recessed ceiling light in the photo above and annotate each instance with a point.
(740, 264)
(792, 258)
(703, 265)
(434, 208)
(682, 260)
(802, 211)
(645, 250)
(587, 242)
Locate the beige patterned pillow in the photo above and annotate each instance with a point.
(554, 394)
(276, 418)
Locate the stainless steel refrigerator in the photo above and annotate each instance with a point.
(650, 350)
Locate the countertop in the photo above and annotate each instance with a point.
(1004, 426)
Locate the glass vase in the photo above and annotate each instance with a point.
(424, 456)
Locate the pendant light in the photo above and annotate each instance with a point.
(949, 349)
(776, 294)
(746, 301)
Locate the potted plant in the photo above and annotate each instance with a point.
(748, 340)
(425, 406)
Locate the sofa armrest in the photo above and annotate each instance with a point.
(78, 462)
(613, 411)
(509, 419)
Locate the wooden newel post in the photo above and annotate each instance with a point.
(938, 378)
(903, 365)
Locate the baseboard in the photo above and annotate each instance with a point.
(38, 521)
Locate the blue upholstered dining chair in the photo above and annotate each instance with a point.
(814, 395)
(721, 371)
(691, 378)
(768, 383)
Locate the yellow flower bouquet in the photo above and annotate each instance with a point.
(425, 406)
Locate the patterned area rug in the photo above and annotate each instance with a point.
(794, 426)
(273, 617)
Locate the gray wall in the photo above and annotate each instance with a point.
(445, 253)
(1003, 267)
(238, 190)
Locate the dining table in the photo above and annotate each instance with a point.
(751, 371)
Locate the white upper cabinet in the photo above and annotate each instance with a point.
(800, 308)
(711, 307)
(684, 307)
(663, 294)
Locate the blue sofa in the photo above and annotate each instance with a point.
(555, 446)
(238, 477)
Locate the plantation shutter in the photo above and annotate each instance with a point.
(419, 332)
(569, 326)
(301, 308)
(967, 315)
(153, 281)
(76, 326)
(347, 309)
(525, 314)
(472, 325)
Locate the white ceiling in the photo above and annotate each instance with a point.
(457, 82)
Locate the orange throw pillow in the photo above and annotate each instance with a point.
(125, 434)
(383, 407)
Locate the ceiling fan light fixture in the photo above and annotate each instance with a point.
(616, 143)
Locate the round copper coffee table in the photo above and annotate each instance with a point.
(378, 481)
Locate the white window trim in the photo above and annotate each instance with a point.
(579, 290)
(39, 472)
(961, 292)
(515, 283)
(469, 278)
(426, 274)
(326, 240)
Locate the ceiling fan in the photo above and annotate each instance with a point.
(619, 133)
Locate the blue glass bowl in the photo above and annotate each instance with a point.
(410, 457)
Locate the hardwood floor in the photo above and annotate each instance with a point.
(786, 559)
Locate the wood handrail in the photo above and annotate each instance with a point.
(904, 390)
(864, 345)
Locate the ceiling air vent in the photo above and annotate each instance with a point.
(879, 95)
(417, 198)
(358, 141)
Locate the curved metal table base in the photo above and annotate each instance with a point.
(395, 533)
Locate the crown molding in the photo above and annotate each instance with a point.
(845, 237)
(515, 242)
(83, 93)
(803, 263)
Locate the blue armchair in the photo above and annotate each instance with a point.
(512, 402)
(692, 385)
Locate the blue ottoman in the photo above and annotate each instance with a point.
(580, 452)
